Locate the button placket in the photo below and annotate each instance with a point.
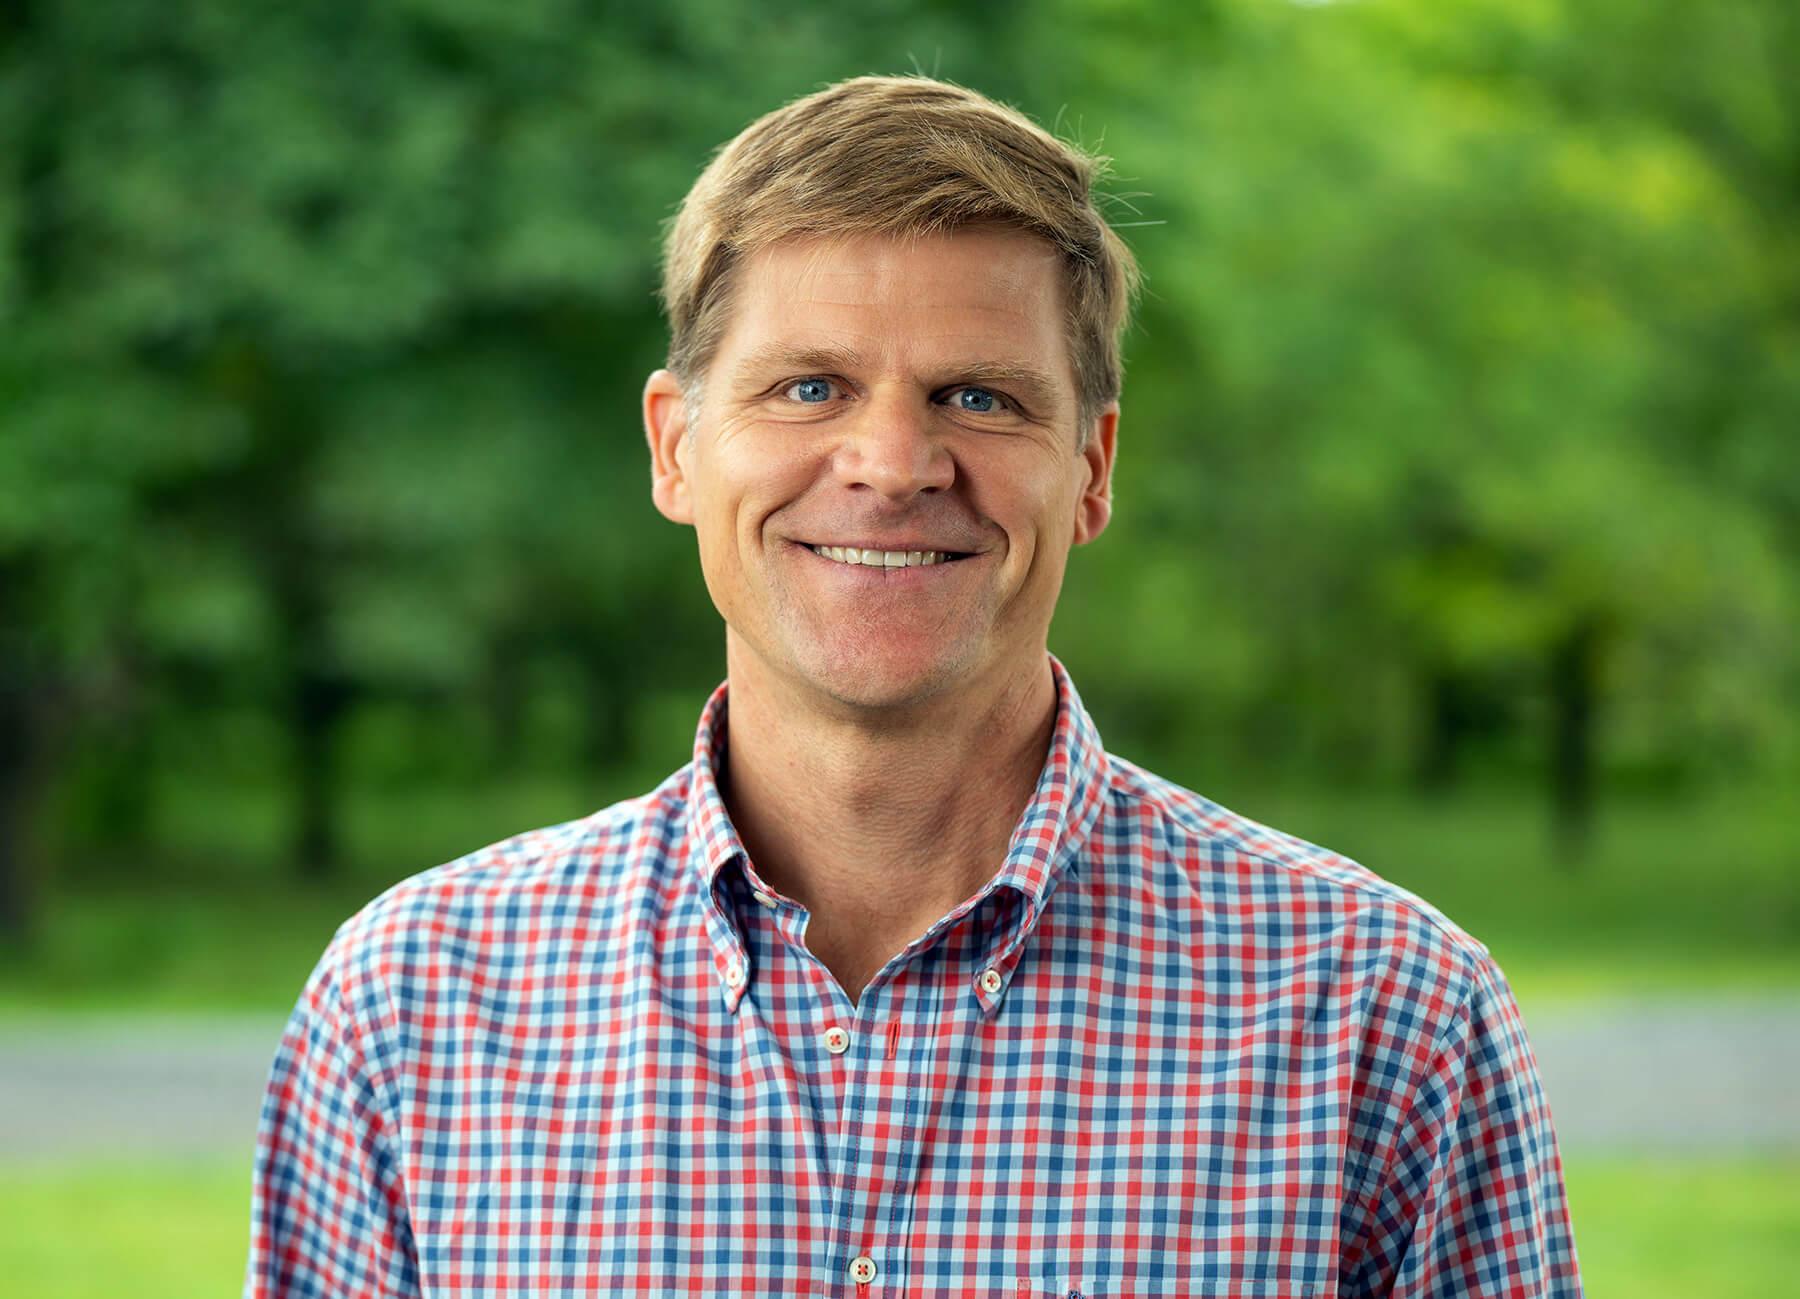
(871, 1152)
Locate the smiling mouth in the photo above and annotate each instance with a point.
(888, 558)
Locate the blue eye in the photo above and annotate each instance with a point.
(978, 400)
(811, 391)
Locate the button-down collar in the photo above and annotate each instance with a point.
(1044, 847)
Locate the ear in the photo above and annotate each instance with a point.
(1094, 510)
(666, 426)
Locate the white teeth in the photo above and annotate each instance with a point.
(883, 558)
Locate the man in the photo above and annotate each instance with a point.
(904, 986)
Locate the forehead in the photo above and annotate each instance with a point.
(971, 295)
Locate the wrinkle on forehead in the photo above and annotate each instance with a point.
(878, 269)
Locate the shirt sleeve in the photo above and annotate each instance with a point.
(1472, 1201)
(328, 1206)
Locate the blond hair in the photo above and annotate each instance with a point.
(903, 156)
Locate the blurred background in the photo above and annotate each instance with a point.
(1458, 519)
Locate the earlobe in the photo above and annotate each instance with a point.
(1096, 513)
(1094, 510)
(665, 425)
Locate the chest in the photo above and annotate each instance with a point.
(1108, 1138)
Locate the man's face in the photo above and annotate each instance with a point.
(894, 396)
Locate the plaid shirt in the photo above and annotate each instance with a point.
(1163, 1051)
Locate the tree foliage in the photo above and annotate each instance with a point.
(1460, 427)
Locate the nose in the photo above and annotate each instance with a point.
(891, 447)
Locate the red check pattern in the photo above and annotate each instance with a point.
(1164, 1051)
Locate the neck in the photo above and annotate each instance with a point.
(880, 824)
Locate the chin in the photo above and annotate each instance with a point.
(878, 676)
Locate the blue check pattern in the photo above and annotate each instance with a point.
(1163, 1051)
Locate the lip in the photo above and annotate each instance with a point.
(891, 545)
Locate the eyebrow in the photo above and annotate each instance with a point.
(784, 356)
(1034, 387)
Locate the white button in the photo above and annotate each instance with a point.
(990, 980)
(734, 974)
(763, 898)
(862, 1268)
(837, 1041)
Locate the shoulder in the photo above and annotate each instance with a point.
(1271, 897)
(552, 884)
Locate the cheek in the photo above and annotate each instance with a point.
(712, 517)
(738, 498)
(715, 507)
(759, 475)
(1032, 506)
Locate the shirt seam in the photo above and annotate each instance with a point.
(1465, 944)
(1368, 1188)
(350, 1035)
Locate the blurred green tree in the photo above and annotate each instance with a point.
(1459, 439)
(1442, 415)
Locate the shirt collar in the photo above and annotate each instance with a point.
(1051, 830)
(1066, 802)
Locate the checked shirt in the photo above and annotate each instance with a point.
(1164, 1051)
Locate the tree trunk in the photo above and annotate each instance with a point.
(16, 744)
(23, 737)
(270, 495)
(605, 738)
(120, 757)
(504, 689)
(319, 703)
(1444, 725)
(1574, 688)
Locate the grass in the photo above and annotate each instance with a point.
(1653, 1229)
(1647, 1229)
(1676, 896)
(150, 1232)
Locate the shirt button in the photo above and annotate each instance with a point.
(990, 980)
(862, 1269)
(763, 898)
(734, 975)
(837, 1041)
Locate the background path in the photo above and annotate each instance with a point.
(128, 1089)
(1692, 1077)
(1689, 1077)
